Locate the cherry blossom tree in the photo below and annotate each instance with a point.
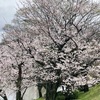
(56, 40)
(66, 30)
(16, 67)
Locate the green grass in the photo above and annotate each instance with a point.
(92, 94)
(40, 99)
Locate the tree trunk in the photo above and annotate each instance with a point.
(19, 83)
(39, 89)
(39, 85)
(51, 89)
(18, 95)
(48, 91)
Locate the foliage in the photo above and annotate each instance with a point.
(75, 94)
(60, 96)
(71, 96)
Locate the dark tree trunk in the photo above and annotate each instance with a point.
(19, 82)
(39, 85)
(51, 89)
(5, 98)
(40, 94)
(39, 89)
(18, 95)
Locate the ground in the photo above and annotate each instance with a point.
(92, 94)
(40, 99)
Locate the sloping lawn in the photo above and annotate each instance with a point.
(92, 94)
(40, 99)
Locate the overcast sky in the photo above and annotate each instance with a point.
(7, 11)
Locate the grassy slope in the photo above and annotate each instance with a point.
(40, 99)
(92, 94)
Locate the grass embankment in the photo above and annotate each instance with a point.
(40, 99)
(92, 94)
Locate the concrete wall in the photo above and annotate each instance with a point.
(31, 94)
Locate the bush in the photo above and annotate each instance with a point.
(60, 96)
(66, 96)
(84, 88)
(75, 94)
(71, 96)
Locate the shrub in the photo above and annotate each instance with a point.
(84, 88)
(66, 96)
(60, 96)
